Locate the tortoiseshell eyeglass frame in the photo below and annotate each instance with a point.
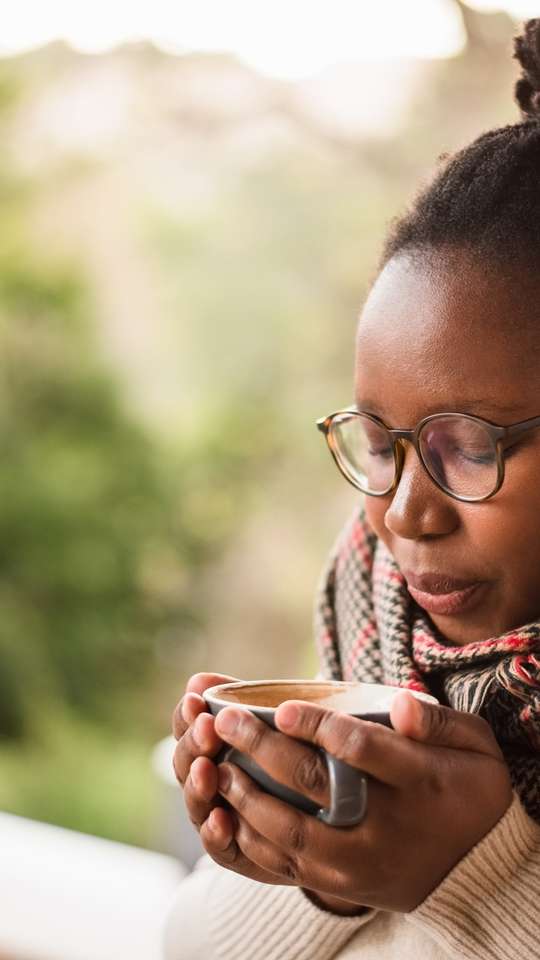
(499, 435)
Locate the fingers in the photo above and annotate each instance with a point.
(368, 746)
(217, 835)
(287, 761)
(440, 726)
(277, 837)
(192, 703)
(200, 790)
(200, 682)
(200, 740)
(283, 864)
(272, 818)
(186, 712)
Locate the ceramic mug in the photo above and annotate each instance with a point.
(348, 786)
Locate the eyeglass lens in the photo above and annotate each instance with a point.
(458, 453)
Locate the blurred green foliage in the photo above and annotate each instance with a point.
(81, 500)
(81, 775)
(103, 527)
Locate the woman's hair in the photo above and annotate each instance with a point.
(486, 197)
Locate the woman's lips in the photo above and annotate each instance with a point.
(438, 593)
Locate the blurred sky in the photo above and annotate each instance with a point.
(285, 38)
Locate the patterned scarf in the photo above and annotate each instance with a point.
(370, 629)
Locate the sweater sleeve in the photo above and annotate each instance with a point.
(220, 915)
(487, 906)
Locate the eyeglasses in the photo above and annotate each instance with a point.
(463, 455)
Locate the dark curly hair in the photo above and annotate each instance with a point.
(485, 197)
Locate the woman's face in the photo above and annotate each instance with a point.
(438, 338)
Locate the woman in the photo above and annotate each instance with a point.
(436, 586)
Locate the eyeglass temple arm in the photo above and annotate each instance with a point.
(523, 427)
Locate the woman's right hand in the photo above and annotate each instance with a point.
(198, 743)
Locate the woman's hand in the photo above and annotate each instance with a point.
(196, 772)
(437, 784)
(193, 727)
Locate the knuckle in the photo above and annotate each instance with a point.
(296, 837)
(243, 797)
(290, 869)
(434, 780)
(356, 739)
(439, 723)
(255, 734)
(323, 723)
(226, 857)
(309, 774)
(337, 733)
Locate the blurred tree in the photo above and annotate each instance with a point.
(81, 501)
(102, 527)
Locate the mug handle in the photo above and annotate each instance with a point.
(348, 794)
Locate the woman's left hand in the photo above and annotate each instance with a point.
(437, 784)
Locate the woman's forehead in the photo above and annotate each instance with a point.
(457, 337)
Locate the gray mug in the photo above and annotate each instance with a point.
(348, 786)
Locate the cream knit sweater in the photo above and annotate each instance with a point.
(487, 908)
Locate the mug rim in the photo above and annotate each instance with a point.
(211, 693)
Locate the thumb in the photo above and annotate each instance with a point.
(441, 726)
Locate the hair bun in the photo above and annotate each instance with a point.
(527, 52)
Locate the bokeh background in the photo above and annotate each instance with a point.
(187, 234)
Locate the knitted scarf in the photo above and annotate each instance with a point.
(369, 628)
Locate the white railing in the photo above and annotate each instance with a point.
(68, 896)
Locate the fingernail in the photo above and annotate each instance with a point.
(224, 778)
(227, 721)
(289, 715)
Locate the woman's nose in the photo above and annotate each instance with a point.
(418, 507)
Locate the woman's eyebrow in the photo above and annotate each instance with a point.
(488, 407)
(486, 404)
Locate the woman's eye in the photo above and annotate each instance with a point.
(476, 456)
(482, 460)
(384, 452)
(469, 453)
(482, 456)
